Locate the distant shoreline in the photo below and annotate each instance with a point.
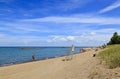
(48, 46)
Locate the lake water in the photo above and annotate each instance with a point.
(15, 55)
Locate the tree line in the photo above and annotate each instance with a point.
(115, 39)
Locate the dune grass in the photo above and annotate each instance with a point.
(111, 56)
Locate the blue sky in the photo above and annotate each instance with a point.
(58, 22)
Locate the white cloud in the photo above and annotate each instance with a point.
(84, 36)
(71, 4)
(92, 20)
(71, 38)
(92, 33)
(23, 40)
(61, 38)
(2, 35)
(111, 7)
(21, 27)
(88, 39)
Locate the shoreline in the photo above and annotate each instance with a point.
(28, 61)
(21, 55)
(54, 68)
(86, 49)
(11, 64)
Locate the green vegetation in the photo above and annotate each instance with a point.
(115, 39)
(111, 56)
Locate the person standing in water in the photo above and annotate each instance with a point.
(33, 57)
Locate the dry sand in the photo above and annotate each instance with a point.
(82, 66)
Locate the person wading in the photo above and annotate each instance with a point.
(33, 57)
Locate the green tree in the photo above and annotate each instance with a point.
(115, 39)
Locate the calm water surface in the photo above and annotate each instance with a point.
(15, 55)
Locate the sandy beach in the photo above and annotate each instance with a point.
(79, 67)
